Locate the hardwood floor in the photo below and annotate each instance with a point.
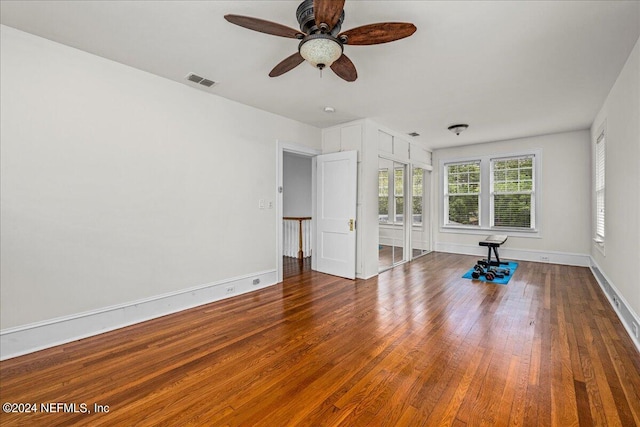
(292, 267)
(417, 345)
(388, 254)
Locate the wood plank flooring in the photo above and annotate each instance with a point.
(292, 267)
(417, 345)
(388, 255)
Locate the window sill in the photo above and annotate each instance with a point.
(599, 244)
(511, 232)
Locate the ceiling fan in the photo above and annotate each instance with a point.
(321, 42)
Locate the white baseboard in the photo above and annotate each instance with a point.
(363, 277)
(551, 257)
(29, 338)
(620, 305)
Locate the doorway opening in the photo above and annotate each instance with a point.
(295, 198)
(297, 213)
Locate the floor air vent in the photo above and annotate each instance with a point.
(200, 80)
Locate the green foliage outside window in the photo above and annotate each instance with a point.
(511, 196)
(397, 204)
(398, 188)
(383, 194)
(463, 186)
(512, 210)
(416, 199)
(463, 210)
(513, 192)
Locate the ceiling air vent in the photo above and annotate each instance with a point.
(200, 80)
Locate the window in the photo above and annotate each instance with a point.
(383, 195)
(599, 187)
(391, 197)
(398, 194)
(512, 192)
(492, 193)
(462, 193)
(417, 195)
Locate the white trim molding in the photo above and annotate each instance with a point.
(33, 337)
(550, 257)
(620, 305)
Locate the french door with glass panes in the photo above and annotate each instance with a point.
(420, 225)
(392, 213)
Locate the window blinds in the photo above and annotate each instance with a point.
(462, 193)
(600, 185)
(512, 192)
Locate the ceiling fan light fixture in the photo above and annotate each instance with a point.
(457, 128)
(320, 50)
(321, 37)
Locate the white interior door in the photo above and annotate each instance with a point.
(336, 175)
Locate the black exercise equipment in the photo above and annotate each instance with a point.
(488, 267)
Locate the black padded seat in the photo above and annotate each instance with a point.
(493, 242)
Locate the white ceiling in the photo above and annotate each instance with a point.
(507, 68)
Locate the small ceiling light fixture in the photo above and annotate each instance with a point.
(457, 128)
(329, 109)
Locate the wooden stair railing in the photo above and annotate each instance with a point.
(299, 219)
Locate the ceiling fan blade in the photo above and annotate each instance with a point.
(383, 32)
(263, 26)
(328, 12)
(287, 64)
(345, 69)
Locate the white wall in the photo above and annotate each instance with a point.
(621, 112)
(296, 179)
(564, 211)
(118, 185)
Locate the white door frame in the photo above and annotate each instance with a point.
(281, 148)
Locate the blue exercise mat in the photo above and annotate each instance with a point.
(500, 281)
